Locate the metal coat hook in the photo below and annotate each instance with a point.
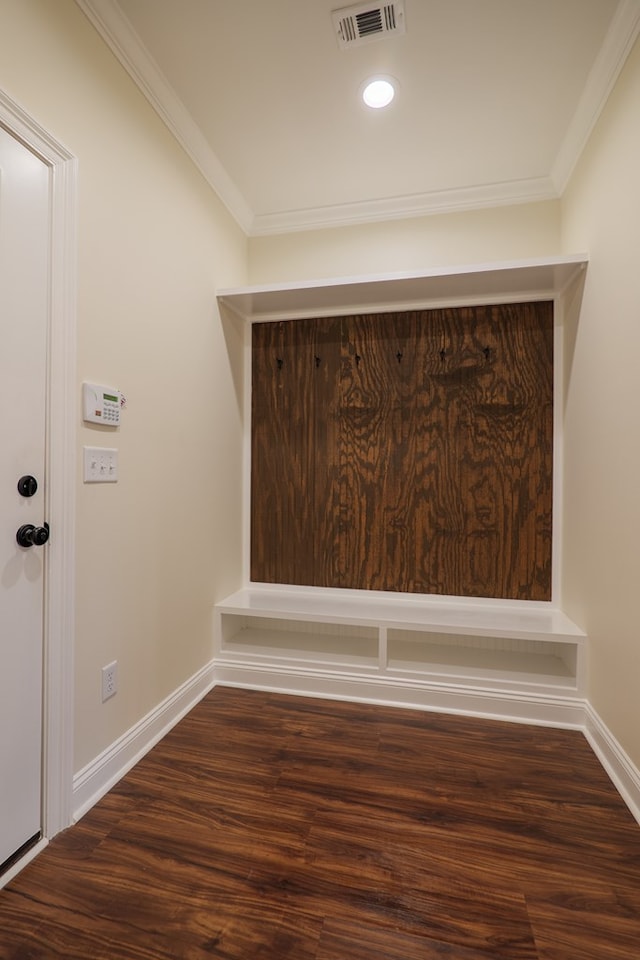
(358, 359)
(399, 356)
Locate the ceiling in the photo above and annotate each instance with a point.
(495, 100)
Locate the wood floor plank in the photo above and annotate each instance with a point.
(284, 828)
(358, 941)
(584, 930)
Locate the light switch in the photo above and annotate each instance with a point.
(100, 465)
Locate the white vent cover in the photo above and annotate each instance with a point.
(364, 22)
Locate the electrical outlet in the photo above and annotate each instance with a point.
(109, 680)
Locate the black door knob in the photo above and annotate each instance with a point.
(31, 536)
(27, 486)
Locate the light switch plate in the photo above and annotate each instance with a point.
(100, 465)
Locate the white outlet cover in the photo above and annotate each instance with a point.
(109, 676)
(100, 465)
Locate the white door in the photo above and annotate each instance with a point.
(24, 243)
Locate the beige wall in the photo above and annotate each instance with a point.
(155, 550)
(479, 236)
(601, 214)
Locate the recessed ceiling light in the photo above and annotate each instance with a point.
(378, 92)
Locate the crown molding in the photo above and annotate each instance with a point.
(108, 19)
(413, 205)
(606, 69)
(114, 28)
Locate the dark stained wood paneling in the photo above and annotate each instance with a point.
(325, 485)
(377, 451)
(287, 828)
(295, 513)
(487, 443)
(407, 452)
(283, 415)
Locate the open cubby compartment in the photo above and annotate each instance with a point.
(479, 659)
(279, 638)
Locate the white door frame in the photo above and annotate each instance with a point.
(59, 555)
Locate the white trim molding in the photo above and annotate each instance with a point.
(124, 43)
(59, 616)
(483, 703)
(619, 766)
(101, 774)
(620, 38)
(61, 457)
(506, 193)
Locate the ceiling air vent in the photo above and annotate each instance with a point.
(365, 22)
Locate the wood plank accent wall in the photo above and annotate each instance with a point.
(408, 452)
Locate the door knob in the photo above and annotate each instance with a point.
(30, 536)
(27, 486)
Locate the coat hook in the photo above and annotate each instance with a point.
(487, 353)
(443, 354)
(358, 359)
(399, 356)
(318, 361)
(279, 361)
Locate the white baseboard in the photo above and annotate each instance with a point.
(622, 771)
(98, 777)
(488, 703)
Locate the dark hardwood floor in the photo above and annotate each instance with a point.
(266, 827)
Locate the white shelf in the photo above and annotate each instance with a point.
(508, 619)
(503, 282)
(504, 645)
